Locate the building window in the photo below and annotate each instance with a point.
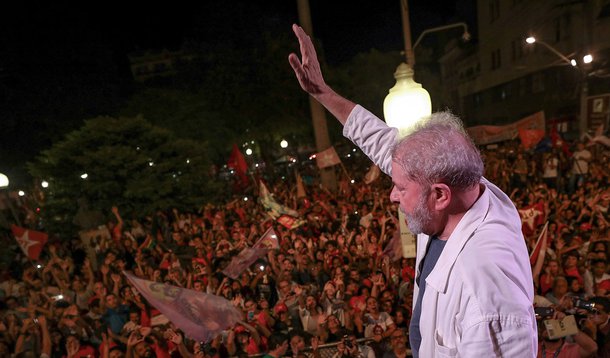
(561, 27)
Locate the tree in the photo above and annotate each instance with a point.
(129, 163)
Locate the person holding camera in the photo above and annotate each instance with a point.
(552, 346)
(348, 347)
(600, 327)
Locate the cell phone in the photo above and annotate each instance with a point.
(250, 315)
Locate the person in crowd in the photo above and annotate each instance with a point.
(398, 341)
(278, 346)
(580, 345)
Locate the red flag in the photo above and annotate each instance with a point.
(327, 158)
(532, 217)
(201, 316)
(559, 142)
(542, 240)
(267, 241)
(238, 163)
(30, 241)
(530, 137)
(243, 260)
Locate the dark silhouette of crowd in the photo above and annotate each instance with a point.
(332, 287)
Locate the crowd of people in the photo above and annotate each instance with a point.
(330, 281)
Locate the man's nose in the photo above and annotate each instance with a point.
(394, 195)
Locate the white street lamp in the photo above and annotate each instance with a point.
(407, 102)
(3, 181)
(284, 143)
(587, 58)
(21, 193)
(248, 151)
(84, 176)
(44, 184)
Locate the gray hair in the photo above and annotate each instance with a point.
(439, 150)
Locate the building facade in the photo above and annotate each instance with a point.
(502, 78)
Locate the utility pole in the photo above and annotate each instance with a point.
(318, 113)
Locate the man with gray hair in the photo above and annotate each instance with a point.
(474, 291)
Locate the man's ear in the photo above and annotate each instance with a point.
(441, 194)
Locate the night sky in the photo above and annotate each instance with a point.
(66, 54)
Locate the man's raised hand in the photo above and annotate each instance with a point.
(307, 69)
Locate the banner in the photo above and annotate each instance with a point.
(290, 222)
(394, 248)
(30, 241)
(267, 241)
(274, 209)
(407, 239)
(327, 158)
(243, 260)
(493, 134)
(199, 315)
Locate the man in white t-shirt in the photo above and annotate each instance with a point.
(580, 166)
(550, 170)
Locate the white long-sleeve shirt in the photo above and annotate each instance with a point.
(478, 298)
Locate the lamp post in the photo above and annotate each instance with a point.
(584, 85)
(407, 102)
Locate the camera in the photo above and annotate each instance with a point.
(347, 342)
(543, 312)
(584, 304)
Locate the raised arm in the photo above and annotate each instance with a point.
(309, 74)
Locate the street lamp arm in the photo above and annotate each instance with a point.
(442, 28)
(553, 50)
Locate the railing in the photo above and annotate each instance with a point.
(329, 349)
